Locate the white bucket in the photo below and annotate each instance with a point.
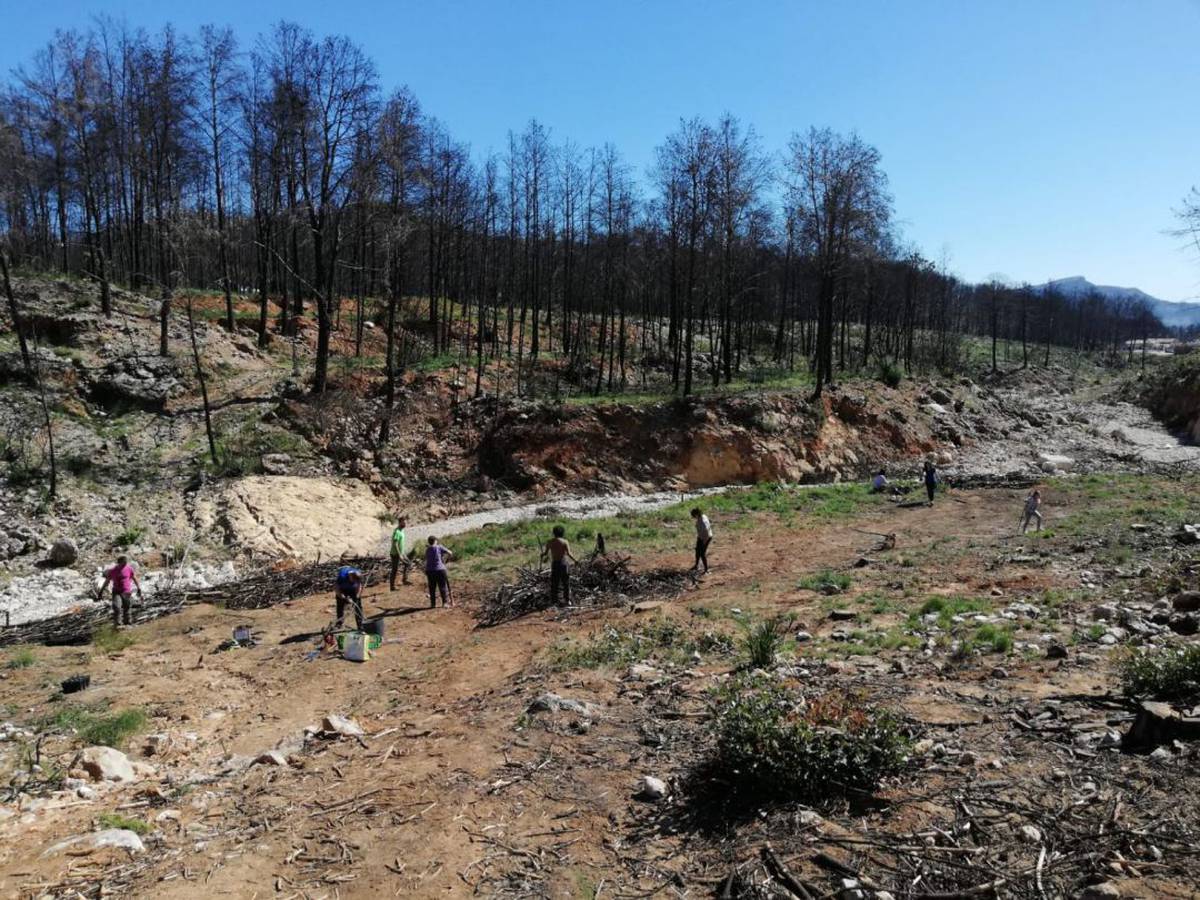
(356, 647)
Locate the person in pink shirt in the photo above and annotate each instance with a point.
(124, 580)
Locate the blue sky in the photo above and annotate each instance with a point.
(1034, 139)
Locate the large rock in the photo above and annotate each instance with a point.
(121, 838)
(107, 764)
(1188, 601)
(63, 553)
(1055, 462)
(288, 516)
(1160, 723)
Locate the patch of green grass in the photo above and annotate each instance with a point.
(825, 580)
(21, 658)
(992, 639)
(99, 728)
(947, 608)
(116, 820)
(1167, 673)
(661, 639)
(110, 639)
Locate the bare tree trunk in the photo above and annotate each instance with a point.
(208, 429)
(15, 314)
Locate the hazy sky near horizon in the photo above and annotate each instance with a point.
(1035, 139)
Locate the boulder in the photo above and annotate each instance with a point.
(1160, 723)
(63, 553)
(1054, 462)
(1056, 651)
(107, 764)
(271, 758)
(121, 838)
(276, 463)
(1188, 601)
(549, 702)
(1105, 890)
(652, 788)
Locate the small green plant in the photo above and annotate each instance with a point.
(827, 581)
(764, 640)
(946, 609)
(773, 744)
(99, 728)
(116, 820)
(890, 374)
(1167, 672)
(21, 658)
(992, 638)
(110, 639)
(129, 536)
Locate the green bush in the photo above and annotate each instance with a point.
(1167, 672)
(890, 374)
(763, 642)
(773, 744)
(129, 536)
(661, 638)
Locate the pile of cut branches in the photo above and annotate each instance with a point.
(596, 581)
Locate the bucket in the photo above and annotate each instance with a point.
(356, 649)
(374, 641)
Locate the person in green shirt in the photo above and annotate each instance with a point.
(399, 556)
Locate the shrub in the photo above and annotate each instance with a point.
(664, 638)
(129, 536)
(773, 744)
(763, 642)
(890, 374)
(1167, 673)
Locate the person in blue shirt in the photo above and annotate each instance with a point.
(349, 589)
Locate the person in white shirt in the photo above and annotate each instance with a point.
(704, 537)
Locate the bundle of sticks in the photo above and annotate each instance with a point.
(255, 591)
(596, 581)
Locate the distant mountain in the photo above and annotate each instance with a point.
(1173, 315)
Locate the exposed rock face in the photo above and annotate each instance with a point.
(145, 382)
(294, 517)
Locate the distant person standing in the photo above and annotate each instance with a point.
(931, 480)
(1033, 510)
(704, 536)
(436, 573)
(558, 548)
(348, 589)
(123, 579)
(399, 556)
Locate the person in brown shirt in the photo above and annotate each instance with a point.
(559, 551)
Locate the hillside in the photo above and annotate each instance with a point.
(1172, 314)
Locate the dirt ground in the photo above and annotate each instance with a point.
(458, 789)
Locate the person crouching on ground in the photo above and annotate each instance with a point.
(879, 483)
(704, 536)
(123, 579)
(349, 590)
(436, 573)
(1033, 511)
(400, 560)
(559, 551)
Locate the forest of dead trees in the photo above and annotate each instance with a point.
(281, 175)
